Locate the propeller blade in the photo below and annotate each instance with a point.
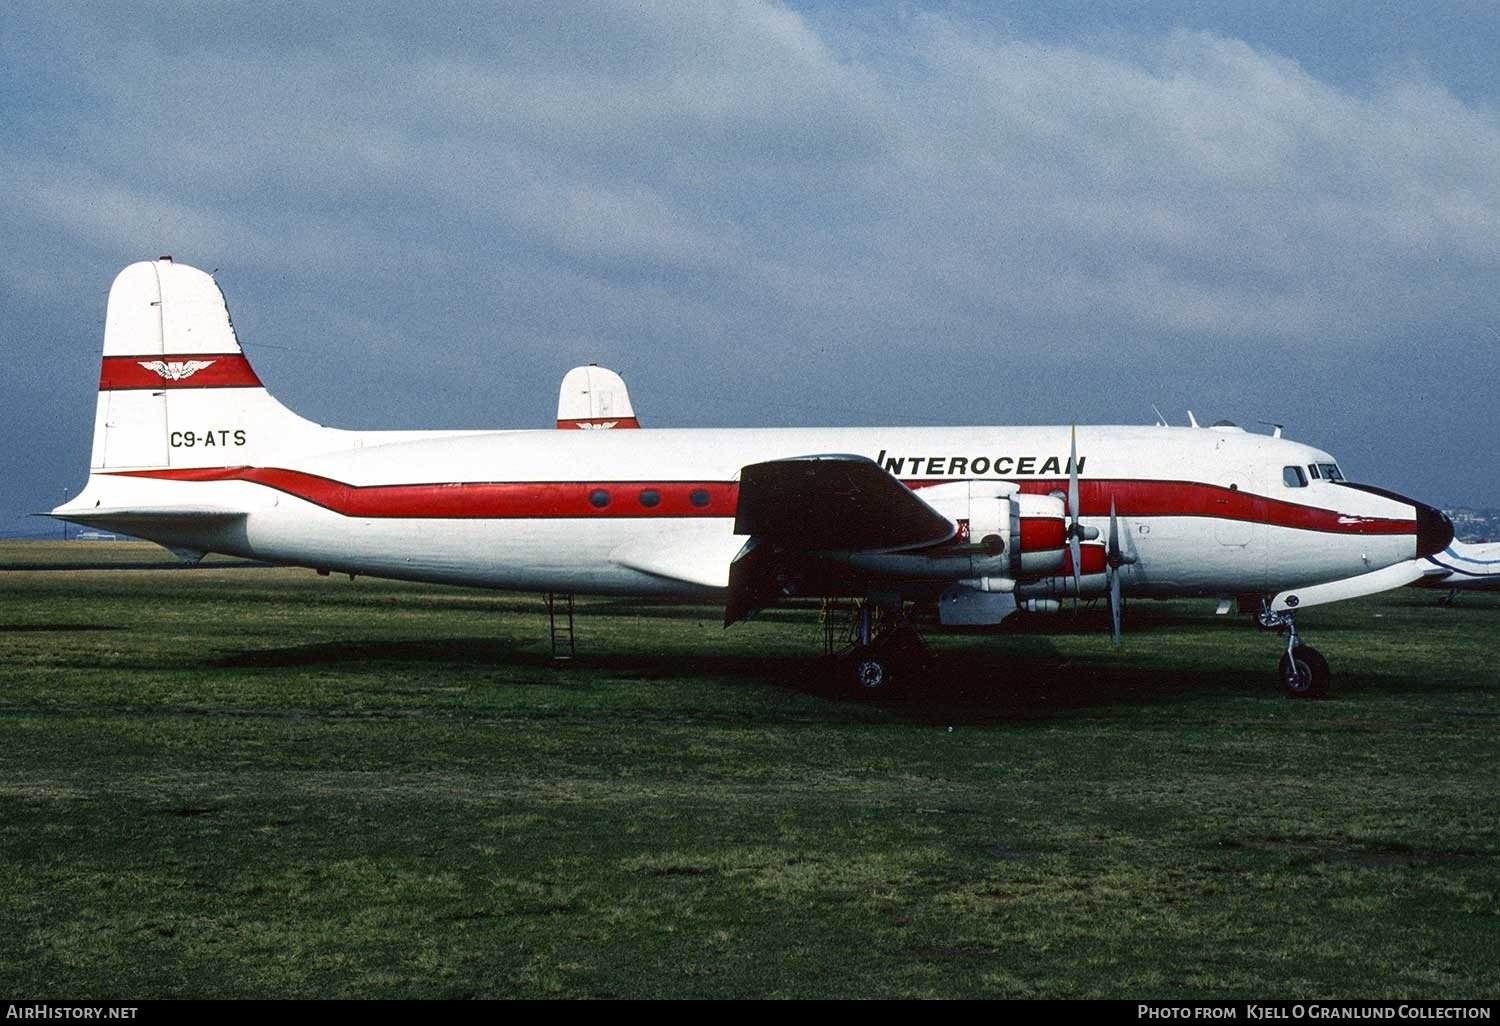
(1073, 479)
(1076, 551)
(1112, 564)
(1114, 602)
(1073, 547)
(1114, 536)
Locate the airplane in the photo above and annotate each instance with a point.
(1462, 567)
(191, 451)
(594, 398)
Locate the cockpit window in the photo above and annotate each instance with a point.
(1294, 477)
(1312, 468)
(1330, 471)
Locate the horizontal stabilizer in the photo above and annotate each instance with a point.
(134, 520)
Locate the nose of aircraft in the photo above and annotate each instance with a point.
(1434, 530)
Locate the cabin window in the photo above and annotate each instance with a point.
(598, 498)
(650, 497)
(1294, 477)
(699, 498)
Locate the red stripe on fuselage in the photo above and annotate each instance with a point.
(180, 370)
(533, 500)
(1141, 499)
(562, 499)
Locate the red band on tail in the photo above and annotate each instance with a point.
(208, 370)
(598, 423)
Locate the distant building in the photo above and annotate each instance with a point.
(1475, 525)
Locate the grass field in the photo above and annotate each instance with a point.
(231, 782)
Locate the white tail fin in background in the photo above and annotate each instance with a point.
(175, 389)
(594, 397)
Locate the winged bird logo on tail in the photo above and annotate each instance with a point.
(175, 370)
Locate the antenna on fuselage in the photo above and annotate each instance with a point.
(1275, 428)
(1160, 420)
(1192, 420)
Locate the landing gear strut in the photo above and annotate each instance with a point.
(885, 654)
(1303, 670)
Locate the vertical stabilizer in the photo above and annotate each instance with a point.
(175, 389)
(594, 397)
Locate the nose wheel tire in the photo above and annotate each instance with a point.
(1304, 673)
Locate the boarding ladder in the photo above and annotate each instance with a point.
(560, 624)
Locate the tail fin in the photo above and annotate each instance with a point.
(594, 397)
(175, 389)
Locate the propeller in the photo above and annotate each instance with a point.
(1112, 562)
(1114, 559)
(1073, 532)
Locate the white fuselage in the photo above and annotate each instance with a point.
(1202, 511)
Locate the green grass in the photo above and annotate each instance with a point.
(262, 782)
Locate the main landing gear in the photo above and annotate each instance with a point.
(1303, 670)
(888, 652)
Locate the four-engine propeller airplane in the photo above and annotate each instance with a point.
(191, 451)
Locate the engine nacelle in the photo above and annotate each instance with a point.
(1030, 531)
(1039, 523)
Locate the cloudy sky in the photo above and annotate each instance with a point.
(765, 213)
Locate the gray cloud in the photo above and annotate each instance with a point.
(765, 216)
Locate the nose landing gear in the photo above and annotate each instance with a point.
(1303, 670)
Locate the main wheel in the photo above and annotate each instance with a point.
(1304, 673)
(870, 672)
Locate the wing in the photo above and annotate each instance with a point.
(834, 502)
(797, 507)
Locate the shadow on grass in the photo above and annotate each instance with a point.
(1013, 677)
(1026, 678)
(505, 654)
(24, 628)
(434, 651)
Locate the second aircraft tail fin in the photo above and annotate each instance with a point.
(594, 397)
